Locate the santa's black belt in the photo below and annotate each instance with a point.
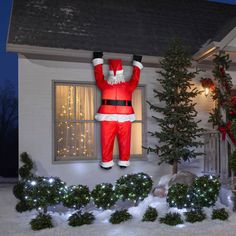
(116, 102)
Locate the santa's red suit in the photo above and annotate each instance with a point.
(116, 112)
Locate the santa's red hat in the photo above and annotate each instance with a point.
(115, 66)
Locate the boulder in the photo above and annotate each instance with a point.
(159, 191)
(182, 177)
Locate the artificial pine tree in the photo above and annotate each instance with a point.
(179, 130)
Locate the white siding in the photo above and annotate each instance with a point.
(35, 120)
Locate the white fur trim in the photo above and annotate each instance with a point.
(107, 164)
(115, 117)
(119, 78)
(123, 163)
(118, 72)
(138, 64)
(97, 61)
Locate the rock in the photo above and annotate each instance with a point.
(182, 177)
(165, 180)
(159, 191)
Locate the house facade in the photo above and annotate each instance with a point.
(58, 97)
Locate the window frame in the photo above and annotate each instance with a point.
(97, 148)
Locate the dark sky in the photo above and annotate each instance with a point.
(8, 61)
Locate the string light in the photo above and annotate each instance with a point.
(82, 142)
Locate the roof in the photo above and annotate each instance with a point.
(134, 26)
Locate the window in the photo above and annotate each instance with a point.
(74, 125)
(74, 121)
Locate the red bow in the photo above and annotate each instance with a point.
(223, 131)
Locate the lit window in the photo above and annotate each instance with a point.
(74, 124)
(74, 121)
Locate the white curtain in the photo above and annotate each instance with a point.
(74, 121)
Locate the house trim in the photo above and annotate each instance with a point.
(214, 46)
(72, 55)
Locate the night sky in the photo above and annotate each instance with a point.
(8, 61)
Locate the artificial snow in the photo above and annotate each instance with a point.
(13, 223)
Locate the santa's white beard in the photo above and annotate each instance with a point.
(115, 79)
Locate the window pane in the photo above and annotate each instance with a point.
(136, 140)
(74, 139)
(84, 103)
(64, 102)
(137, 103)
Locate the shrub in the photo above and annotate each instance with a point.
(22, 206)
(150, 214)
(25, 169)
(133, 187)
(178, 196)
(42, 221)
(195, 216)
(171, 219)
(18, 190)
(220, 214)
(204, 191)
(41, 192)
(77, 196)
(104, 195)
(78, 219)
(232, 160)
(119, 216)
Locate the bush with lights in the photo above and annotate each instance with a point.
(120, 216)
(171, 219)
(178, 196)
(42, 221)
(79, 218)
(77, 196)
(204, 191)
(41, 192)
(195, 216)
(134, 187)
(219, 214)
(150, 214)
(104, 195)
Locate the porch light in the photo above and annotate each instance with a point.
(207, 85)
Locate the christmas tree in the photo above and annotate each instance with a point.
(178, 128)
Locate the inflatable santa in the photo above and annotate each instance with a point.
(116, 112)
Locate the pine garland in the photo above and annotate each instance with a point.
(222, 93)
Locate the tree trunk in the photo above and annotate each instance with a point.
(175, 167)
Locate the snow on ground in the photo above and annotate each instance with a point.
(13, 223)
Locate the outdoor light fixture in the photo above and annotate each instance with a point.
(207, 85)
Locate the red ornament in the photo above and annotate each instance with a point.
(222, 71)
(223, 131)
